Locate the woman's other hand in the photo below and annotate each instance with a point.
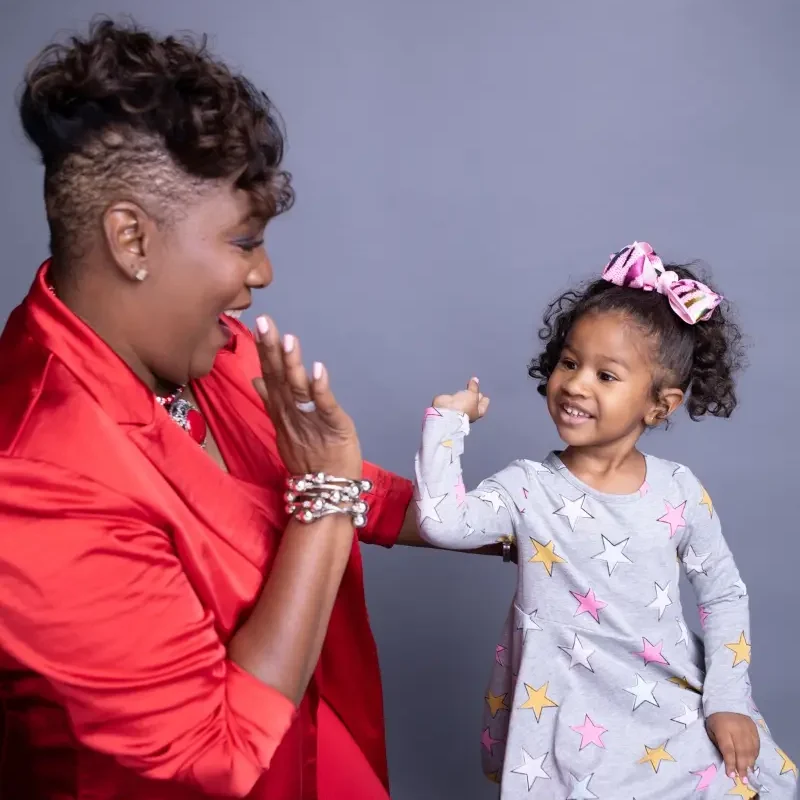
(314, 434)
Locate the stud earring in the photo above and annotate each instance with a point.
(140, 274)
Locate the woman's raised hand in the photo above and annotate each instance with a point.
(314, 434)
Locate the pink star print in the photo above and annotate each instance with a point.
(498, 651)
(651, 653)
(590, 733)
(431, 412)
(674, 518)
(706, 776)
(487, 741)
(588, 604)
(704, 615)
(644, 489)
(461, 492)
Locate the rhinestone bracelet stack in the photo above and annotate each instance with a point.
(311, 497)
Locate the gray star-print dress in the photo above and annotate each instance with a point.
(599, 690)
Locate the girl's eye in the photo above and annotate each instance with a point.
(568, 363)
(606, 377)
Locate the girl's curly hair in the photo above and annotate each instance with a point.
(122, 110)
(702, 359)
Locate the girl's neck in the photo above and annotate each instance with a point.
(610, 469)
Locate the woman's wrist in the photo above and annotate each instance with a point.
(314, 496)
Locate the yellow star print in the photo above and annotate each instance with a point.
(705, 500)
(538, 700)
(496, 702)
(447, 443)
(740, 790)
(494, 777)
(788, 765)
(655, 755)
(740, 649)
(545, 554)
(684, 684)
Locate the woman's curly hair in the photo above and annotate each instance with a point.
(701, 359)
(121, 110)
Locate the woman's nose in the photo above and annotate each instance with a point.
(261, 274)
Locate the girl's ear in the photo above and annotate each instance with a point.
(667, 402)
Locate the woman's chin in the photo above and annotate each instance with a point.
(202, 366)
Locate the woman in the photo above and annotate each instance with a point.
(166, 630)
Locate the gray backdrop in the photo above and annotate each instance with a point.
(456, 164)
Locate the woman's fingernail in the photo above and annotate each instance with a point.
(744, 780)
(262, 325)
(476, 380)
(731, 774)
(316, 370)
(288, 343)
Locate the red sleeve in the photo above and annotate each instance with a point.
(95, 599)
(388, 503)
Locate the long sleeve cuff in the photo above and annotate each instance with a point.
(388, 504)
(732, 701)
(258, 719)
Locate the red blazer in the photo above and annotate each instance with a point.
(128, 559)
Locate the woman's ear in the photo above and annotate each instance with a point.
(127, 230)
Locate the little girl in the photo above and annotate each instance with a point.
(599, 689)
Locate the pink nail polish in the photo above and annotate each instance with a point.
(744, 780)
(316, 370)
(262, 325)
(288, 343)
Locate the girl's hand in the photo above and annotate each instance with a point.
(736, 737)
(468, 401)
(313, 433)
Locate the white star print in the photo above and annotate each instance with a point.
(531, 768)
(469, 530)
(612, 554)
(642, 692)
(688, 716)
(427, 505)
(464, 424)
(694, 561)
(581, 790)
(741, 587)
(578, 654)
(662, 600)
(528, 623)
(684, 631)
(493, 499)
(573, 510)
(540, 469)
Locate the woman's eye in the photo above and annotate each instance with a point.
(249, 245)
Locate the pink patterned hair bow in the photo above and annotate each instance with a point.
(638, 267)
